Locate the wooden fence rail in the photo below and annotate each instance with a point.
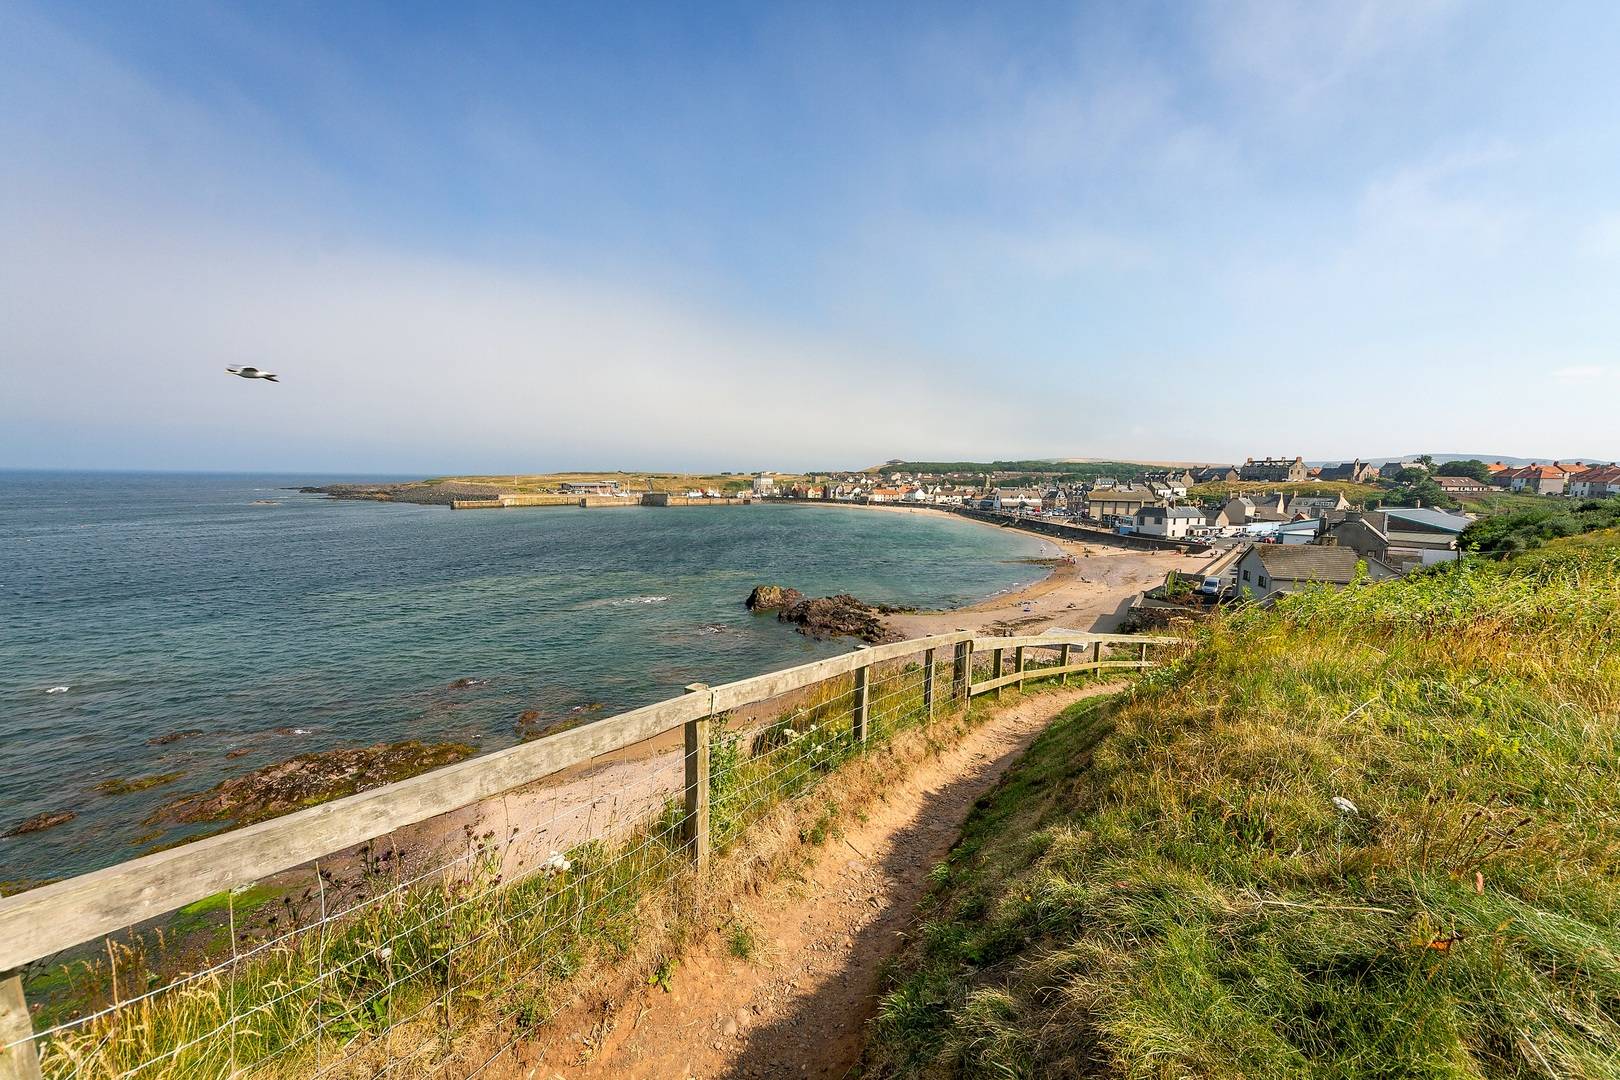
(45, 921)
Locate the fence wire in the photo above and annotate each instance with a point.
(439, 951)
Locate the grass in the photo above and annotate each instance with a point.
(1166, 886)
(678, 483)
(1522, 530)
(1353, 493)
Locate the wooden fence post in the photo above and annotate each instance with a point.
(928, 684)
(1018, 666)
(1142, 659)
(995, 668)
(1096, 656)
(858, 721)
(21, 1062)
(695, 825)
(962, 671)
(1063, 662)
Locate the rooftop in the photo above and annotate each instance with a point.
(1306, 562)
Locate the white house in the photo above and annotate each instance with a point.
(1169, 522)
(764, 484)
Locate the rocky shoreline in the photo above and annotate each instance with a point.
(307, 780)
(421, 492)
(841, 615)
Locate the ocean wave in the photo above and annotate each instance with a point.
(627, 601)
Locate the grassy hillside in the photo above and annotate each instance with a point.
(1170, 886)
(629, 481)
(1521, 530)
(1354, 493)
(1068, 471)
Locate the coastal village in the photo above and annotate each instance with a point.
(1266, 526)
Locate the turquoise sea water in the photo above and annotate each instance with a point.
(168, 603)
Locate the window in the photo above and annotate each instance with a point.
(1245, 575)
(1262, 581)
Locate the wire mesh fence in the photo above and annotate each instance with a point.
(437, 949)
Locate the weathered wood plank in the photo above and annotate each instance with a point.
(763, 687)
(1049, 672)
(20, 1061)
(46, 920)
(1054, 641)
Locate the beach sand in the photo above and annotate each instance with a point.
(1092, 593)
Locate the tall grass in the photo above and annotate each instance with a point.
(1368, 833)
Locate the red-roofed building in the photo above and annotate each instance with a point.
(1541, 479)
(1597, 482)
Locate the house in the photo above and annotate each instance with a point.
(1268, 570)
(1597, 482)
(1276, 506)
(764, 484)
(1274, 470)
(1315, 505)
(1170, 522)
(1462, 485)
(885, 495)
(1215, 474)
(1540, 479)
(589, 487)
(1110, 506)
(1354, 472)
(1239, 510)
(1171, 478)
(1404, 537)
(1017, 499)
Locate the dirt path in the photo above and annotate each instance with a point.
(799, 1007)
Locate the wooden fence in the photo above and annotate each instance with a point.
(45, 921)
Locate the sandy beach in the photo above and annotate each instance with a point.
(1092, 592)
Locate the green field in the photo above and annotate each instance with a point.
(1365, 834)
(534, 483)
(1353, 493)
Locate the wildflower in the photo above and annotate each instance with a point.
(385, 953)
(557, 864)
(1344, 805)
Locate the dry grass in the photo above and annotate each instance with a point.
(1166, 887)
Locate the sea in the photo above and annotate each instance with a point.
(260, 623)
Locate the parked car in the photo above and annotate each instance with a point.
(1210, 587)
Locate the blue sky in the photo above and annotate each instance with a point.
(485, 237)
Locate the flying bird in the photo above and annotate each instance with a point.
(253, 373)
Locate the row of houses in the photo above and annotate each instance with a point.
(1577, 479)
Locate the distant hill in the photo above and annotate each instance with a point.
(1506, 459)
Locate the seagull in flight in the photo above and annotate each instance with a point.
(253, 373)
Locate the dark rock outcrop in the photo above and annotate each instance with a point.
(50, 819)
(839, 616)
(309, 779)
(772, 598)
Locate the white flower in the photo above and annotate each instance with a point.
(557, 864)
(385, 953)
(1344, 805)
